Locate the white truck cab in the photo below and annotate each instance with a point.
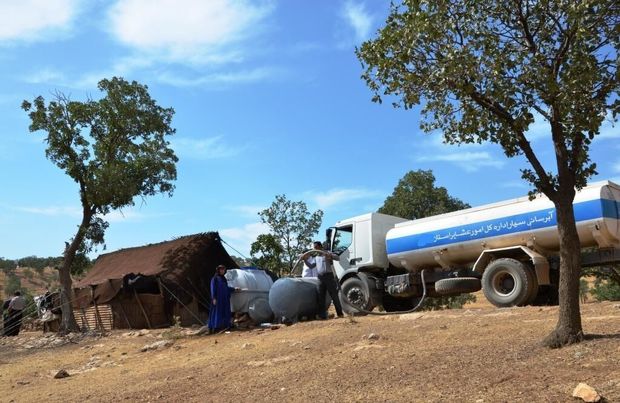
(360, 242)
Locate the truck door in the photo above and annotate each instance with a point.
(342, 244)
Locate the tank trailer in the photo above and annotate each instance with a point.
(508, 249)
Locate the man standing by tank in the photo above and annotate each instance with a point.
(322, 262)
(16, 306)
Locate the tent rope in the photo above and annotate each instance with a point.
(179, 301)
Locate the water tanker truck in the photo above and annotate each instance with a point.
(508, 249)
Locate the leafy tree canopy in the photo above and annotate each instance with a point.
(292, 225)
(268, 253)
(416, 196)
(115, 148)
(485, 70)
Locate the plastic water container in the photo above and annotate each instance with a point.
(291, 299)
(253, 298)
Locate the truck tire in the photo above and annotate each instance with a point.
(533, 290)
(457, 285)
(355, 293)
(507, 282)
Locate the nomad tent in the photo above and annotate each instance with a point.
(148, 286)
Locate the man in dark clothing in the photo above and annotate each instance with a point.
(14, 322)
(327, 282)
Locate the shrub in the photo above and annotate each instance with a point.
(454, 302)
(606, 290)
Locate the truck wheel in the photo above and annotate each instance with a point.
(354, 293)
(457, 285)
(507, 282)
(533, 290)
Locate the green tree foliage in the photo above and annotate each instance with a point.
(39, 263)
(607, 283)
(451, 302)
(242, 261)
(485, 71)
(293, 226)
(7, 265)
(416, 196)
(13, 283)
(606, 290)
(114, 148)
(267, 253)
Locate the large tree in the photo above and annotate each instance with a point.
(267, 253)
(416, 196)
(292, 225)
(485, 70)
(115, 149)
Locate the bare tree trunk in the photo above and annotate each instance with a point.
(68, 323)
(568, 329)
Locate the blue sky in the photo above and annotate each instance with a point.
(268, 101)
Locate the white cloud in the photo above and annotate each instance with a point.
(241, 238)
(53, 211)
(208, 148)
(227, 77)
(247, 210)
(45, 76)
(333, 197)
(36, 19)
(125, 215)
(358, 18)
(467, 160)
(187, 30)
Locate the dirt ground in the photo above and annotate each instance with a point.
(477, 354)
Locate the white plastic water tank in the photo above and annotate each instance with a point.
(253, 298)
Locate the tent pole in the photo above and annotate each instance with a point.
(148, 322)
(98, 318)
(84, 321)
(98, 321)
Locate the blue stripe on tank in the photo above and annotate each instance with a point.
(588, 210)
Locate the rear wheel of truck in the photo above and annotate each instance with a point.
(508, 282)
(533, 291)
(457, 285)
(355, 295)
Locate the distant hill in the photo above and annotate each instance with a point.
(33, 281)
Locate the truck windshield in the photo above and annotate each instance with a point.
(342, 239)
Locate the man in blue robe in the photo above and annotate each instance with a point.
(219, 315)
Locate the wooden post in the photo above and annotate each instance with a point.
(148, 322)
(98, 318)
(84, 320)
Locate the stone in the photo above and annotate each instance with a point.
(157, 345)
(586, 393)
(203, 330)
(247, 346)
(373, 336)
(61, 374)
